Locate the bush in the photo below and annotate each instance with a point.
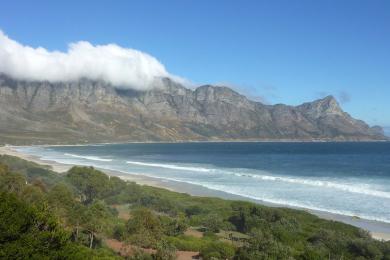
(270, 233)
(218, 250)
(173, 226)
(144, 228)
(165, 251)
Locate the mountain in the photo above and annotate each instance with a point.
(94, 111)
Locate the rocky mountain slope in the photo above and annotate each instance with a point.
(94, 111)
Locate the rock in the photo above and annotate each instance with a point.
(94, 111)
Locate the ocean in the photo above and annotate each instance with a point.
(347, 178)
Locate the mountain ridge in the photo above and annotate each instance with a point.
(41, 112)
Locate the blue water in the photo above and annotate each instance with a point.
(345, 178)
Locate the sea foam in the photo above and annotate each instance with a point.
(347, 187)
(92, 158)
(171, 166)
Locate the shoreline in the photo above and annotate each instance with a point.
(207, 141)
(379, 230)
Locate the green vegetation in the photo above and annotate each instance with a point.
(45, 215)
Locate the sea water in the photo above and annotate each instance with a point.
(344, 177)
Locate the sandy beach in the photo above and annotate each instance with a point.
(378, 230)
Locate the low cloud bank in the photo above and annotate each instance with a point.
(121, 67)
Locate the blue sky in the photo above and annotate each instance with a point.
(279, 51)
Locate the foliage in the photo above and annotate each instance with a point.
(29, 233)
(47, 215)
(28, 229)
(165, 251)
(30, 170)
(173, 226)
(90, 182)
(218, 250)
(144, 228)
(140, 255)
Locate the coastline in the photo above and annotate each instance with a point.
(323, 140)
(379, 230)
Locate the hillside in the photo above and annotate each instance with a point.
(95, 111)
(85, 214)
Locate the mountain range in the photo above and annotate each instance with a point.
(42, 112)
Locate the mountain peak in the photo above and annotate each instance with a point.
(320, 107)
(330, 104)
(212, 93)
(329, 98)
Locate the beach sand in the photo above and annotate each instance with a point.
(379, 230)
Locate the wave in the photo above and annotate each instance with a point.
(320, 183)
(171, 166)
(347, 187)
(293, 204)
(259, 175)
(242, 173)
(92, 158)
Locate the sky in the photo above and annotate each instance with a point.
(273, 51)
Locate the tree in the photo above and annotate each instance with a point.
(12, 182)
(174, 226)
(144, 228)
(3, 169)
(213, 223)
(92, 183)
(62, 202)
(26, 232)
(77, 218)
(116, 185)
(33, 195)
(60, 196)
(96, 219)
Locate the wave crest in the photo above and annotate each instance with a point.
(320, 183)
(315, 183)
(171, 166)
(92, 158)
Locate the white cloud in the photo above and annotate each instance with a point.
(122, 67)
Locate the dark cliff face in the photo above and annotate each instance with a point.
(93, 111)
